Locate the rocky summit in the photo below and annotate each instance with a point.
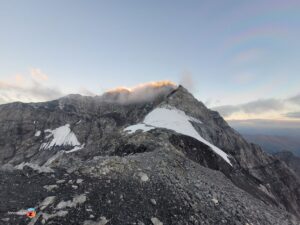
(166, 160)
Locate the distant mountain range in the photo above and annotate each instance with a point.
(275, 143)
(291, 160)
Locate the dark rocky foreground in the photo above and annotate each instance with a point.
(154, 188)
(156, 177)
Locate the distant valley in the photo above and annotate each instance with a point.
(275, 143)
(272, 136)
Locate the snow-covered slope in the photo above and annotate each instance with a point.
(61, 136)
(176, 120)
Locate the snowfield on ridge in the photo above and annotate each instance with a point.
(176, 120)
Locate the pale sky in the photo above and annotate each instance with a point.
(240, 56)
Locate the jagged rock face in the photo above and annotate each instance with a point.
(164, 176)
(267, 172)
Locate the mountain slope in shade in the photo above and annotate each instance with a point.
(131, 166)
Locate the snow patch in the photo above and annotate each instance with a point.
(176, 120)
(62, 136)
(75, 149)
(140, 126)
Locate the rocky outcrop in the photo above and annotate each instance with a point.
(158, 175)
(132, 189)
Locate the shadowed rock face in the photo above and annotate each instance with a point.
(114, 177)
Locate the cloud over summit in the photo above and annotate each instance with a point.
(140, 93)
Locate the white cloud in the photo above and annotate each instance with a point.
(27, 88)
(295, 99)
(86, 92)
(271, 108)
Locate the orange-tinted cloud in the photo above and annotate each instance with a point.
(37, 74)
(140, 93)
(27, 88)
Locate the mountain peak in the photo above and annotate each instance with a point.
(166, 146)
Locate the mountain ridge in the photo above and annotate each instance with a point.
(107, 151)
